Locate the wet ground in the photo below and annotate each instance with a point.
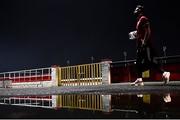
(121, 106)
(116, 101)
(115, 88)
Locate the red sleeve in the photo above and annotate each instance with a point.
(144, 21)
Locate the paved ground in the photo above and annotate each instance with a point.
(116, 88)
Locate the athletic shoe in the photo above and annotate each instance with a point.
(138, 82)
(166, 76)
(140, 95)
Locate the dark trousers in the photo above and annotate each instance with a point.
(146, 60)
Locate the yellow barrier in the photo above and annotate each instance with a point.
(147, 98)
(87, 74)
(146, 74)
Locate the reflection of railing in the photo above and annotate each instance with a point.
(31, 101)
(88, 102)
(88, 74)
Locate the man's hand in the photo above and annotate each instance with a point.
(143, 42)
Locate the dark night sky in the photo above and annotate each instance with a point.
(41, 33)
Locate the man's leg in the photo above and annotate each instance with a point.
(139, 68)
(154, 64)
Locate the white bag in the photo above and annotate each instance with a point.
(132, 35)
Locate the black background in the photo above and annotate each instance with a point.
(41, 33)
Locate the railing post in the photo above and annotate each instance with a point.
(106, 79)
(5, 82)
(106, 73)
(54, 75)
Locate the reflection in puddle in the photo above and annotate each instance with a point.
(89, 102)
(167, 98)
(130, 105)
(32, 101)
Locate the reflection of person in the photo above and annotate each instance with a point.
(145, 52)
(167, 98)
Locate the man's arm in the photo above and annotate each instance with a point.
(147, 33)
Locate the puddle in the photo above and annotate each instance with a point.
(164, 105)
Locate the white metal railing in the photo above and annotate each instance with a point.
(8, 79)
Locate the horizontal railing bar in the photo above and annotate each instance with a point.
(48, 68)
(158, 58)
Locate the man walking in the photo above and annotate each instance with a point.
(145, 52)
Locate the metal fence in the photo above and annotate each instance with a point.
(78, 75)
(8, 79)
(87, 74)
